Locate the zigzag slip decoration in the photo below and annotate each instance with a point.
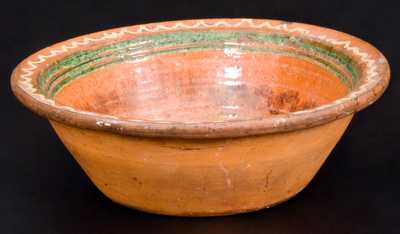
(30, 66)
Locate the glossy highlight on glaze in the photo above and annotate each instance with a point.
(186, 76)
(62, 72)
(202, 117)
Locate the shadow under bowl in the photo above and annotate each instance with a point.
(202, 117)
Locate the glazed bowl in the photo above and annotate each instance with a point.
(202, 117)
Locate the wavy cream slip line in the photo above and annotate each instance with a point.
(26, 80)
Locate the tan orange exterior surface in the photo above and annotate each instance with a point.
(201, 177)
(202, 117)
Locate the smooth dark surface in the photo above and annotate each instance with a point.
(43, 190)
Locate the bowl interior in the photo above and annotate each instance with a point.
(201, 76)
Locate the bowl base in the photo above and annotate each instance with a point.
(208, 214)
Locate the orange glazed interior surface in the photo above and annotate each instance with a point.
(235, 77)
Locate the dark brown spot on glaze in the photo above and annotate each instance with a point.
(204, 86)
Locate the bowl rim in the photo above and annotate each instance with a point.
(374, 80)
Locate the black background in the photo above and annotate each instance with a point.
(43, 190)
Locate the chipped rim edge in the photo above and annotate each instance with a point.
(375, 79)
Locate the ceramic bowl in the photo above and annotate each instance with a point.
(202, 117)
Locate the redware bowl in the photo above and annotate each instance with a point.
(202, 117)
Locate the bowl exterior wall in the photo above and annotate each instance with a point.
(201, 177)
